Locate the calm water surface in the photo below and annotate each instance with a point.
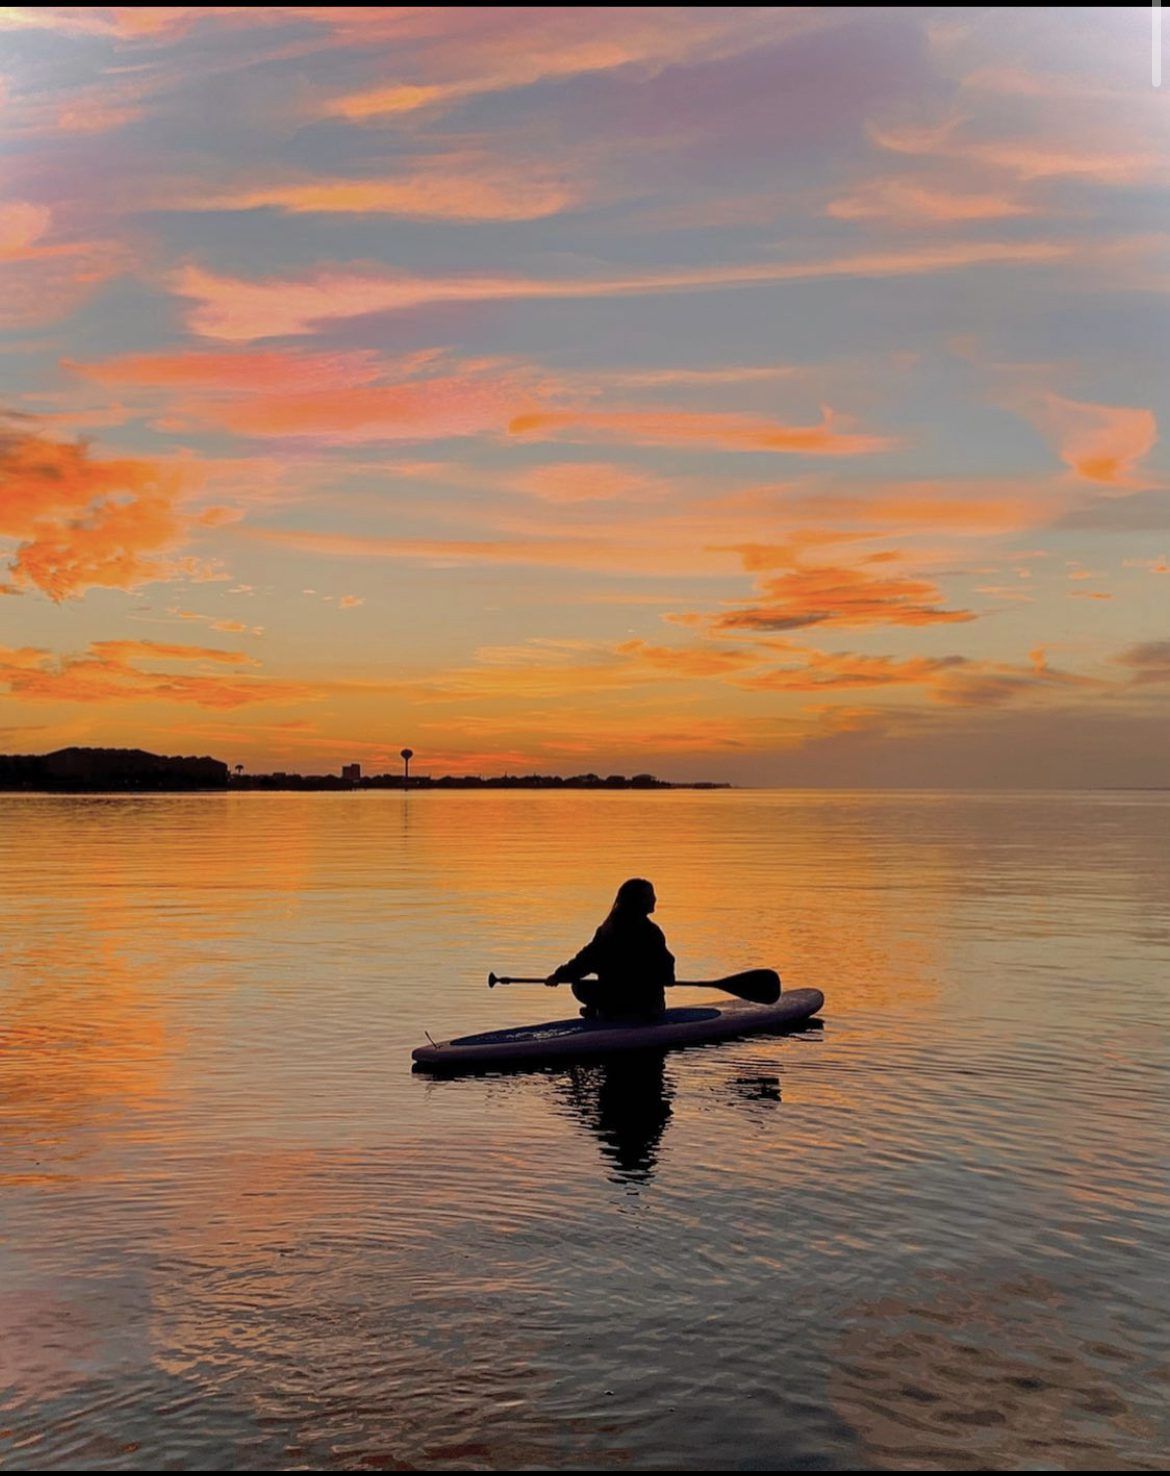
(236, 1230)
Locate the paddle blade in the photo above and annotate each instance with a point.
(761, 986)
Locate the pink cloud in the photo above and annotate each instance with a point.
(46, 273)
(345, 398)
(503, 51)
(236, 309)
(911, 203)
(1101, 443)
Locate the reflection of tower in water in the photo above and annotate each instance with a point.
(625, 1102)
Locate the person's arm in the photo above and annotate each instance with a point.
(663, 959)
(578, 966)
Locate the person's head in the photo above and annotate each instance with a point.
(635, 897)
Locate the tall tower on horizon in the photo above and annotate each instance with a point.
(406, 756)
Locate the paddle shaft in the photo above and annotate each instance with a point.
(761, 986)
(494, 979)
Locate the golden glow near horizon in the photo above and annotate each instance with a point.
(762, 395)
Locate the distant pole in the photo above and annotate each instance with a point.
(406, 756)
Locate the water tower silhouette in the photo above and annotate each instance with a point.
(406, 755)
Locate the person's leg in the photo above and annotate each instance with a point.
(591, 993)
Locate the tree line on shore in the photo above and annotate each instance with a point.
(132, 769)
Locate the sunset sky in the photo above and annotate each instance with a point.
(772, 395)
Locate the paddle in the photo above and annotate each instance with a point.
(761, 986)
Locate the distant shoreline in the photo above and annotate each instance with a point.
(134, 771)
(461, 781)
(327, 784)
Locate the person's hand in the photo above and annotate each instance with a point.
(552, 981)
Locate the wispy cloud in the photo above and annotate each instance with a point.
(344, 398)
(113, 672)
(238, 309)
(453, 187)
(504, 51)
(666, 427)
(910, 203)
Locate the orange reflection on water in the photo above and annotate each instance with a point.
(96, 934)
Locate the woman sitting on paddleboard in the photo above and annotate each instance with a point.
(629, 956)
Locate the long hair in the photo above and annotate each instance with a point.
(634, 899)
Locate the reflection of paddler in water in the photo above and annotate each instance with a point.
(628, 953)
(625, 1101)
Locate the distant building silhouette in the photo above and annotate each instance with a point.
(351, 772)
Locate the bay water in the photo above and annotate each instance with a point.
(931, 1231)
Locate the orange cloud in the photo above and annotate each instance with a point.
(687, 662)
(970, 506)
(336, 399)
(426, 409)
(119, 653)
(1101, 443)
(227, 625)
(681, 427)
(821, 669)
(107, 673)
(606, 555)
(455, 187)
(83, 522)
(279, 371)
(954, 680)
(236, 309)
(839, 596)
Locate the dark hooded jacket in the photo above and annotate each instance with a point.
(633, 965)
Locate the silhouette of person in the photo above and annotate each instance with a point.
(628, 954)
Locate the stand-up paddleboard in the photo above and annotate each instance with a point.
(565, 1040)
